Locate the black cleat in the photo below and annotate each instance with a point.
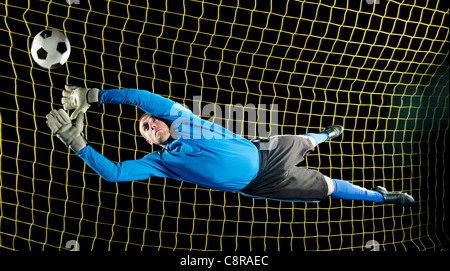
(333, 131)
(397, 198)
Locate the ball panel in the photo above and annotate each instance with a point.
(37, 42)
(61, 47)
(41, 53)
(58, 36)
(65, 56)
(43, 63)
(57, 65)
(49, 45)
(46, 33)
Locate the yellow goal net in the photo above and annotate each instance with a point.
(379, 68)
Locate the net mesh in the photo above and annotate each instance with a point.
(380, 70)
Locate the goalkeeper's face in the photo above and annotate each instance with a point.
(155, 131)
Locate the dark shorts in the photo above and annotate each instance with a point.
(279, 178)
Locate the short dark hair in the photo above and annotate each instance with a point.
(143, 115)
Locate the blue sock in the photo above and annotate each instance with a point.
(318, 138)
(346, 190)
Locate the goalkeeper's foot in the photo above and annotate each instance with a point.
(333, 131)
(397, 198)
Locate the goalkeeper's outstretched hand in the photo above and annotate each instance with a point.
(69, 133)
(78, 98)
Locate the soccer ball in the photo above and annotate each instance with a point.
(50, 49)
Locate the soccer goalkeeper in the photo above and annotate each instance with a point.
(203, 153)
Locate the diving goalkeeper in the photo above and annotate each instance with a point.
(206, 154)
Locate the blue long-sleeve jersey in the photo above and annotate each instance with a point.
(199, 152)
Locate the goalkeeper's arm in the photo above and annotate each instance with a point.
(80, 99)
(70, 133)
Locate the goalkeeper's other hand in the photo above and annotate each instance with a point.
(78, 98)
(69, 133)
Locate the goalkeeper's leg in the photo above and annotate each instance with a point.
(341, 189)
(330, 132)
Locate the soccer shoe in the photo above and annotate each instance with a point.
(333, 131)
(397, 198)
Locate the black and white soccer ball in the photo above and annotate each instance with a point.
(50, 49)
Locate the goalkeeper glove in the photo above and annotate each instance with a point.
(78, 98)
(69, 133)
